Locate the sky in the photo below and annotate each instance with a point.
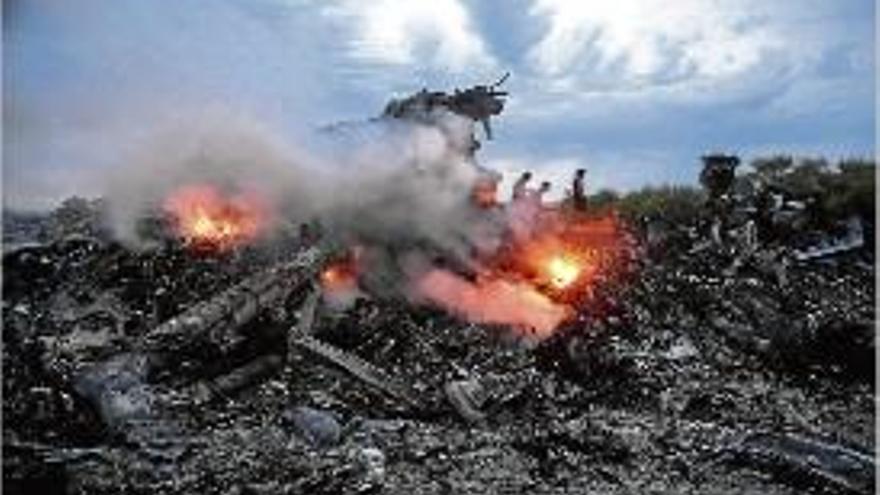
(632, 90)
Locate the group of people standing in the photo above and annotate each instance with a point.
(521, 191)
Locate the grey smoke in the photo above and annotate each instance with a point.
(399, 189)
(381, 182)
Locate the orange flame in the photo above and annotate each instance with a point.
(494, 300)
(340, 275)
(205, 218)
(540, 279)
(339, 280)
(567, 252)
(562, 271)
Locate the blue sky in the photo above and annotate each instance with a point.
(633, 90)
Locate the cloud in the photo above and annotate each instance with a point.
(616, 84)
(633, 43)
(402, 32)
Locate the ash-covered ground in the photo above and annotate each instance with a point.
(714, 366)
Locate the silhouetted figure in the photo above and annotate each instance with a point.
(519, 188)
(544, 189)
(578, 196)
(717, 176)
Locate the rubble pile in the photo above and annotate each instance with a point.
(712, 369)
(721, 351)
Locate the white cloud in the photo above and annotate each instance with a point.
(401, 32)
(633, 43)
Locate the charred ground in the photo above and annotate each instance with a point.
(724, 365)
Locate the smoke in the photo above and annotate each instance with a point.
(235, 154)
(392, 182)
(401, 190)
(380, 181)
(384, 182)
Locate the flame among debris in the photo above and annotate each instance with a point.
(566, 252)
(494, 300)
(336, 277)
(339, 280)
(563, 271)
(341, 274)
(538, 282)
(207, 218)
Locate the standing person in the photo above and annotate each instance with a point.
(579, 198)
(519, 188)
(717, 178)
(544, 189)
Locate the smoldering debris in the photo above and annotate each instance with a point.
(713, 364)
(810, 461)
(580, 410)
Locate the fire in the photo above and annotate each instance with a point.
(562, 271)
(540, 280)
(339, 280)
(206, 218)
(566, 252)
(339, 276)
(494, 300)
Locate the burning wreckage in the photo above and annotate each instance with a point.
(580, 351)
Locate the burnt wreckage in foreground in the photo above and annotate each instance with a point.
(723, 365)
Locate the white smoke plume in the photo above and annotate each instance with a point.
(382, 181)
(400, 189)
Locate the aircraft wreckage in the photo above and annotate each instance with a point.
(688, 359)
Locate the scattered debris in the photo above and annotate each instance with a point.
(319, 428)
(653, 373)
(372, 462)
(216, 320)
(366, 372)
(175, 371)
(247, 375)
(854, 239)
(468, 397)
(119, 390)
(807, 458)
